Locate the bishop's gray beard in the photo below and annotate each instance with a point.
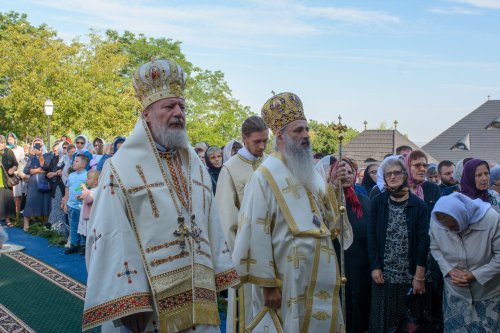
(169, 138)
(300, 161)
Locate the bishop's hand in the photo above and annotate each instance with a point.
(272, 297)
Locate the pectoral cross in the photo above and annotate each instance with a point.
(96, 238)
(248, 261)
(195, 231)
(182, 232)
(293, 188)
(111, 184)
(127, 272)
(295, 257)
(148, 188)
(265, 222)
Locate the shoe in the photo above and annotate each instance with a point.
(82, 250)
(72, 249)
(67, 244)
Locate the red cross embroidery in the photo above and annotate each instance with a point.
(127, 272)
(111, 184)
(96, 238)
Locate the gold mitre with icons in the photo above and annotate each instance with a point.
(159, 79)
(281, 109)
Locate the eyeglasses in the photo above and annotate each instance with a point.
(496, 185)
(373, 172)
(394, 173)
(420, 165)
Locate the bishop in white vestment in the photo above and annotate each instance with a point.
(286, 226)
(234, 176)
(155, 245)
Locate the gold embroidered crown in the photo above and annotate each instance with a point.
(282, 109)
(158, 79)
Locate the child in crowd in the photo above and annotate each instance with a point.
(87, 197)
(72, 203)
(3, 237)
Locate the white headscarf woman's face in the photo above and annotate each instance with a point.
(81, 143)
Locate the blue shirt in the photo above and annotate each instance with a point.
(75, 180)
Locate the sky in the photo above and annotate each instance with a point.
(426, 64)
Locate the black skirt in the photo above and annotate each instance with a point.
(7, 205)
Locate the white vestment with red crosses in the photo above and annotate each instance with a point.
(148, 249)
(284, 240)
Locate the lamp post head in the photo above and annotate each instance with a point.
(48, 107)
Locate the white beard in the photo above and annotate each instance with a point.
(168, 137)
(300, 161)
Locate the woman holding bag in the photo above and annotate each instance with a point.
(38, 196)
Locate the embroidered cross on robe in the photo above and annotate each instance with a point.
(127, 272)
(147, 187)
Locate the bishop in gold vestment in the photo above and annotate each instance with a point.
(286, 225)
(155, 253)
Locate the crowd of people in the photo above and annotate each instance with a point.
(168, 226)
(49, 187)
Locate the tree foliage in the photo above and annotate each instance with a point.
(90, 84)
(325, 140)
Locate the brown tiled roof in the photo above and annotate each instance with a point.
(484, 143)
(375, 144)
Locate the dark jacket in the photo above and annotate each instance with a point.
(8, 161)
(418, 231)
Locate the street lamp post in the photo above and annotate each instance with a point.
(49, 108)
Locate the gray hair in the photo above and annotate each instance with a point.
(213, 150)
(391, 161)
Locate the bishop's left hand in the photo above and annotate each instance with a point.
(339, 172)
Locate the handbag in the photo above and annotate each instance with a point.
(422, 322)
(42, 184)
(11, 180)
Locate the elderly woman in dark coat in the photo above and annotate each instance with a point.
(8, 167)
(398, 246)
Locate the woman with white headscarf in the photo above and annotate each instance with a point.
(230, 149)
(81, 143)
(465, 241)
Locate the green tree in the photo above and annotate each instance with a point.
(90, 84)
(324, 139)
